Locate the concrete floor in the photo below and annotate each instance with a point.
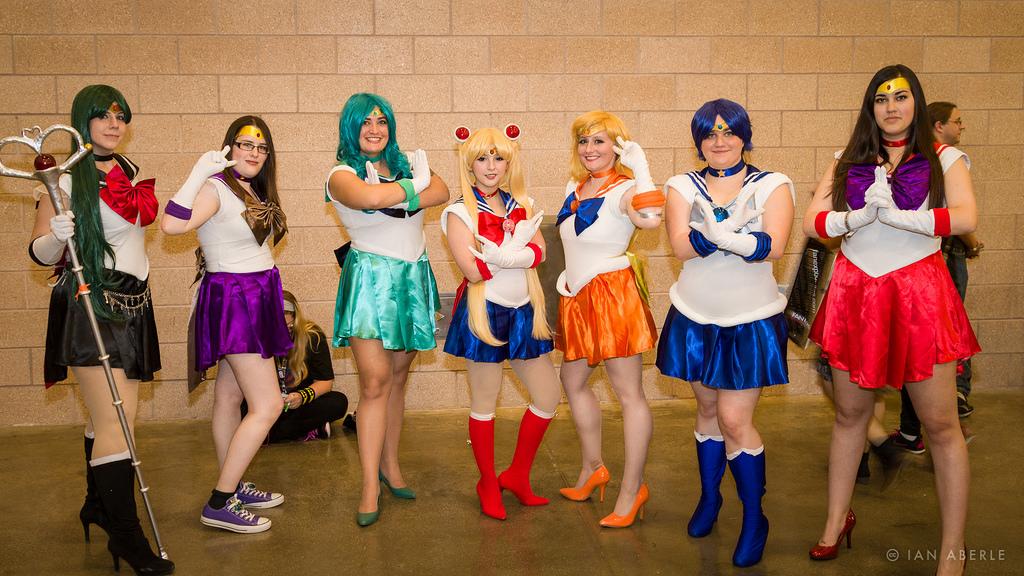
(443, 532)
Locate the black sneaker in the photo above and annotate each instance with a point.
(963, 407)
(915, 446)
(349, 423)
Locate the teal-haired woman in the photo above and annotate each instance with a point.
(110, 210)
(387, 296)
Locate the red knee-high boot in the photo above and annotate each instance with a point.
(517, 478)
(481, 436)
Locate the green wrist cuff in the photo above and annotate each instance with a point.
(414, 204)
(410, 191)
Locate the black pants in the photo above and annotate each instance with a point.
(295, 424)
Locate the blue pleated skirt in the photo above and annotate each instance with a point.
(512, 325)
(751, 355)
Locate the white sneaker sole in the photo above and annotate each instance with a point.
(240, 529)
(268, 504)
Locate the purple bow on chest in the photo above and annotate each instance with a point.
(909, 183)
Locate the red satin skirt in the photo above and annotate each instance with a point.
(606, 319)
(893, 329)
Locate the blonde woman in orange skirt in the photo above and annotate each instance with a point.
(602, 314)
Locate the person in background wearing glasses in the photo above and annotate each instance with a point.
(231, 200)
(947, 126)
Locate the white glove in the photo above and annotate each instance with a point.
(372, 177)
(420, 170)
(208, 164)
(920, 221)
(525, 231)
(62, 226)
(878, 195)
(744, 212)
(632, 156)
(719, 232)
(504, 256)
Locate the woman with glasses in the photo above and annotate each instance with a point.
(231, 200)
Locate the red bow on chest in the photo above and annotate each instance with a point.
(131, 202)
(494, 227)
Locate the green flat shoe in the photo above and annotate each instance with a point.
(404, 493)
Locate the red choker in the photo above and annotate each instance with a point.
(895, 143)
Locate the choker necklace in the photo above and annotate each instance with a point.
(375, 159)
(106, 158)
(487, 196)
(239, 177)
(726, 172)
(603, 173)
(895, 143)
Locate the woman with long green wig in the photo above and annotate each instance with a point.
(110, 209)
(387, 295)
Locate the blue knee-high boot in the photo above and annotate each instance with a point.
(748, 471)
(711, 464)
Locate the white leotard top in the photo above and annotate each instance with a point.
(723, 288)
(599, 249)
(226, 239)
(378, 233)
(126, 239)
(879, 248)
(508, 285)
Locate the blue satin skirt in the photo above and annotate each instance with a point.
(751, 355)
(512, 325)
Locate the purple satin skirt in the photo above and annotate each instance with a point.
(239, 314)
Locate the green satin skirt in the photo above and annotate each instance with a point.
(386, 299)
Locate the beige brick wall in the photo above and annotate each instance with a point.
(188, 67)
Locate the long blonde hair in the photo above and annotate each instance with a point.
(591, 123)
(303, 331)
(480, 143)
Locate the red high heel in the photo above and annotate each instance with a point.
(820, 552)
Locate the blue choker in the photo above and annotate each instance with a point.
(724, 173)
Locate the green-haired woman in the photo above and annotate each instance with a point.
(387, 296)
(110, 210)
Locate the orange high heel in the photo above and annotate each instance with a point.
(599, 479)
(613, 520)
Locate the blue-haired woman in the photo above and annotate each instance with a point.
(387, 296)
(725, 332)
(111, 210)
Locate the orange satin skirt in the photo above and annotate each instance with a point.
(606, 319)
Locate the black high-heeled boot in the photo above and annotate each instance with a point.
(115, 482)
(92, 508)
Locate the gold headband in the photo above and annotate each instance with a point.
(720, 127)
(115, 108)
(250, 130)
(375, 112)
(893, 86)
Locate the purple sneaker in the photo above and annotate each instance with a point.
(234, 518)
(250, 497)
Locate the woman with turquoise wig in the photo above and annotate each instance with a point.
(387, 295)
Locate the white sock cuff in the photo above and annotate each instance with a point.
(482, 417)
(111, 458)
(752, 451)
(542, 414)
(702, 438)
(90, 434)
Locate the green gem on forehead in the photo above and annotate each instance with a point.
(720, 126)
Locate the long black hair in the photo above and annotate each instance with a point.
(865, 144)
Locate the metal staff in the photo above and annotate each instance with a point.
(48, 172)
